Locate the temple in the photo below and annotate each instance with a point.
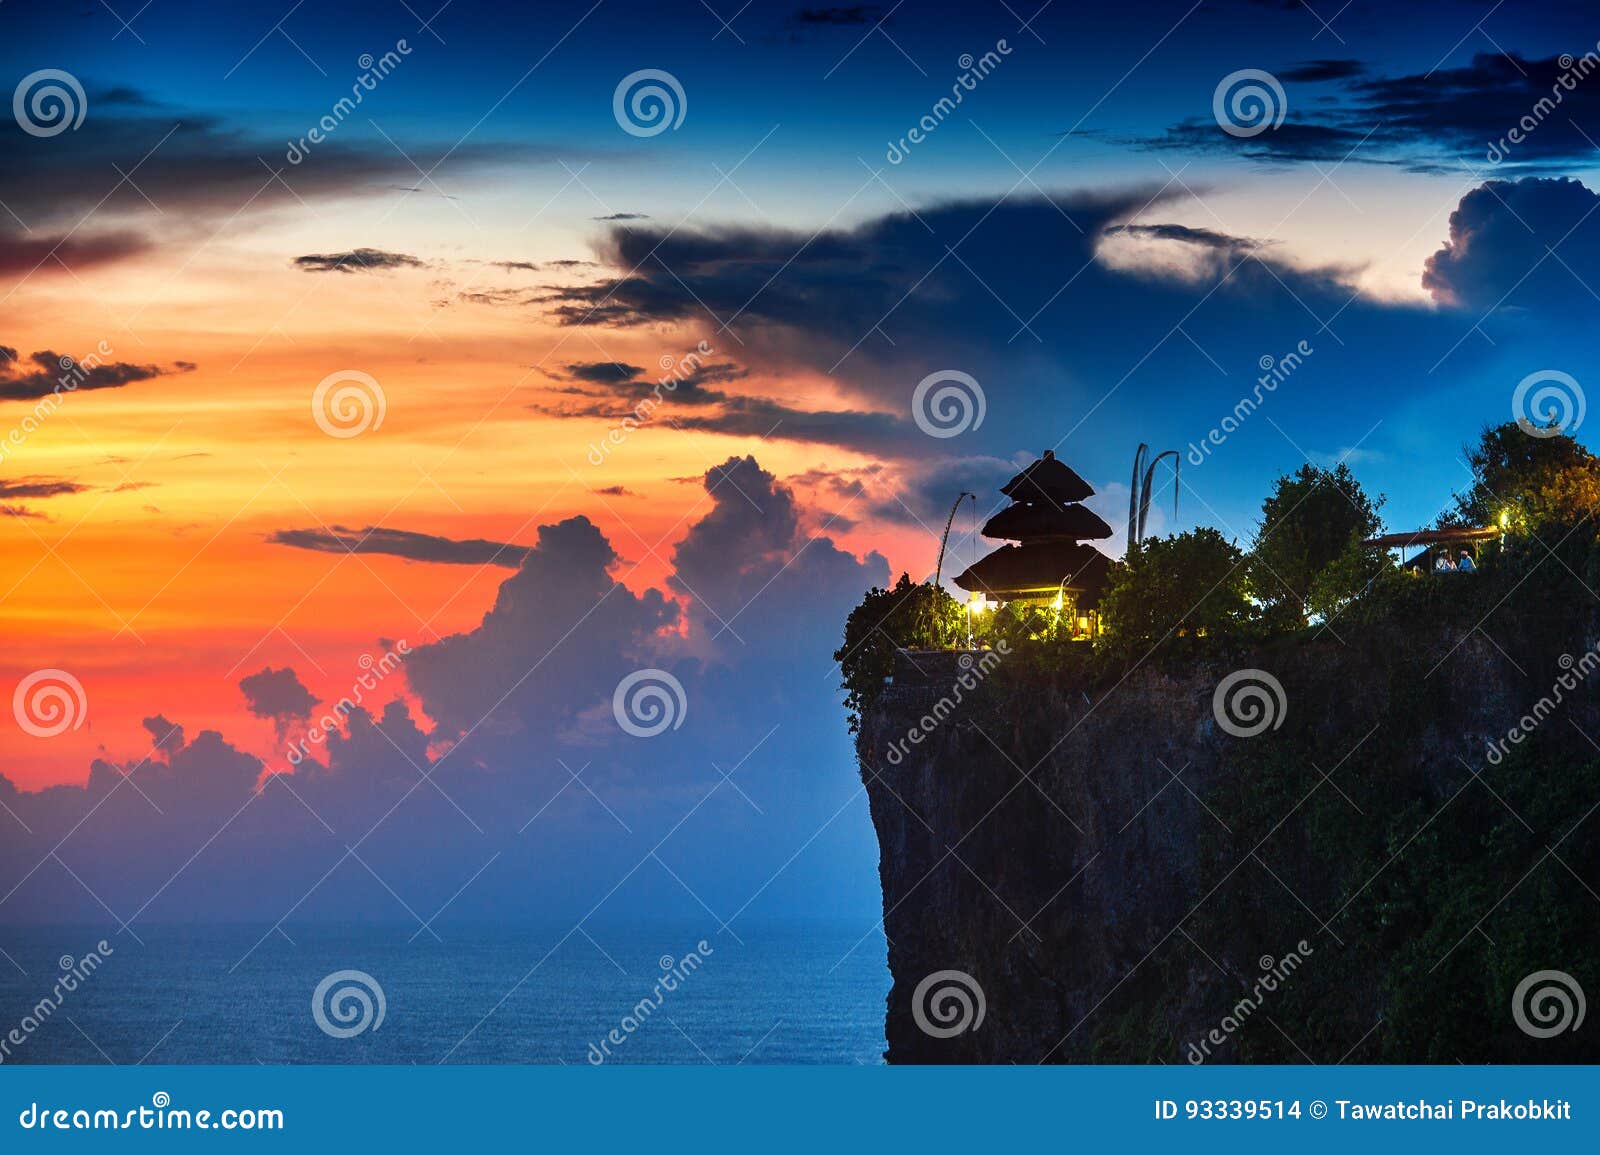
(1050, 566)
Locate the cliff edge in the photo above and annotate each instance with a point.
(1363, 848)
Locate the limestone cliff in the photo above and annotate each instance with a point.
(1123, 878)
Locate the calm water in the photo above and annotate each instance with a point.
(789, 993)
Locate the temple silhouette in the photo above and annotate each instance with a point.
(1049, 567)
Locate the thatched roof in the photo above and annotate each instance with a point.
(1048, 479)
(1045, 519)
(1037, 569)
(1450, 535)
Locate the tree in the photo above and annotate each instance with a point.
(1531, 478)
(1186, 585)
(1311, 520)
(912, 614)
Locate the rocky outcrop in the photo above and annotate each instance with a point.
(1121, 871)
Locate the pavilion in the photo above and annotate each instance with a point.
(1049, 566)
(1449, 537)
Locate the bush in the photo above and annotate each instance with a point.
(1189, 585)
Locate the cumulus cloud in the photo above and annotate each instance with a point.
(1526, 244)
(557, 636)
(277, 694)
(472, 760)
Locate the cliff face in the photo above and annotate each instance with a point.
(1115, 871)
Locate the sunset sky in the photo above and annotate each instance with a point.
(484, 239)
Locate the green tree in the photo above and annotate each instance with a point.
(1530, 478)
(1311, 520)
(1186, 585)
(912, 614)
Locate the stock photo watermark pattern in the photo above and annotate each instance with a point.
(49, 102)
(817, 411)
(49, 702)
(649, 702)
(348, 1003)
(1248, 703)
(948, 1003)
(649, 102)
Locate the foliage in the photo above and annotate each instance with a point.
(1347, 577)
(1309, 522)
(1191, 584)
(912, 614)
(1536, 480)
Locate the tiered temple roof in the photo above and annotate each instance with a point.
(1049, 527)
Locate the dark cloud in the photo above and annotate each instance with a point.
(852, 14)
(78, 251)
(356, 261)
(34, 487)
(1530, 244)
(604, 372)
(616, 491)
(402, 543)
(497, 297)
(196, 167)
(1315, 71)
(276, 694)
(623, 217)
(1205, 238)
(53, 373)
(165, 735)
(1499, 108)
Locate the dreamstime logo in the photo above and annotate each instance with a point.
(648, 102)
(1274, 372)
(947, 1004)
(1249, 702)
(1558, 407)
(677, 370)
(1572, 71)
(1248, 102)
(972, 71)
(1552, 999)
(377, 669)
(948, 403)
(56, 102)
(647, 702)
(49, 702)
(347, 1004)
(1274, 974)
(348, 403)
(74, 973)
(372, 71)
(674, 974)
(1574, 673)
(971, 677)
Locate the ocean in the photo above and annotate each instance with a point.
(793, 992)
